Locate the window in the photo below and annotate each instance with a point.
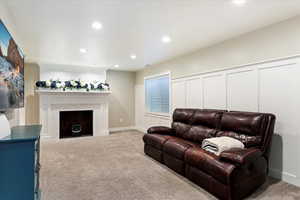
(158, 94)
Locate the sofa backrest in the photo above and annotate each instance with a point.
(196, 124)
(253, 129)
(246, 127)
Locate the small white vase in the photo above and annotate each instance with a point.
(4, 126)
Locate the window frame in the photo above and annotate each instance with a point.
(147, 112)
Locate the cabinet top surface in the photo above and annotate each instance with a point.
(23, 133)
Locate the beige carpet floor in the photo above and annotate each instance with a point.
(115, 168)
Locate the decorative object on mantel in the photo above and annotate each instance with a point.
(4, 128)
(73, 85)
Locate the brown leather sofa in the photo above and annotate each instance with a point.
(234, 174)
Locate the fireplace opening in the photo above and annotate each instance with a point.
(75, 123)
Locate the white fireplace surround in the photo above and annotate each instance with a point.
(51, 103)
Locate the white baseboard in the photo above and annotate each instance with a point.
(141, 129)
(127, 128)
(103, 133)
(46, 136)
(285, 176)
(118, 129)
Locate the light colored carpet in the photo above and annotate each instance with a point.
(115, 168)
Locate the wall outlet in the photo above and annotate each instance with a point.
(121, 120)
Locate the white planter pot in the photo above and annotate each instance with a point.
(4, 126)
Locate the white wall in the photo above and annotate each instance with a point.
(271, 42)
(263, 87)
(63, 73)
(121, 100)
(239, 90)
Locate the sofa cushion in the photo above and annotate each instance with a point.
(181, 120)
(196, 124)
(209, 163)
(241, 156)
(162, 130)
(248, 141)
(156, 140)
(199, 133)
(183, 115)
(244, 126)
(180, 128)
(246, 123)
(206, 117)
(176, 147)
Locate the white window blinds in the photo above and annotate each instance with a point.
(157, 94)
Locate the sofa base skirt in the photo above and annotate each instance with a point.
(242, 184)
(242, 189)
(153, 153)
(207, 182)
(174, 163)
(237, 191)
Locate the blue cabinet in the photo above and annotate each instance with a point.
(20, 164)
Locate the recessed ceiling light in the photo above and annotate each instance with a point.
(96, 25)
(133, 56)
(166, 39)
(82, 50)
(116, 66)
(239, 2)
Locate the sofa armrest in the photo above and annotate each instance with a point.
(160, 130)
(241, 156)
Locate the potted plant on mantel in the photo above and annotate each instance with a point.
(76, 85)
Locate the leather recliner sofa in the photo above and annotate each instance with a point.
(235, 173)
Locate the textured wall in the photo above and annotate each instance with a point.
(122, 100)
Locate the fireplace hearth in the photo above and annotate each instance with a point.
(75, 123)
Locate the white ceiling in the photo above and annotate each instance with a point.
(53, 31)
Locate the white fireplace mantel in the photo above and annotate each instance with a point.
(52, 102)
(75, 91)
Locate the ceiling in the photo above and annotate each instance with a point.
(53, 31)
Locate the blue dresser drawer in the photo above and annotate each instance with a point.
(20, 164)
